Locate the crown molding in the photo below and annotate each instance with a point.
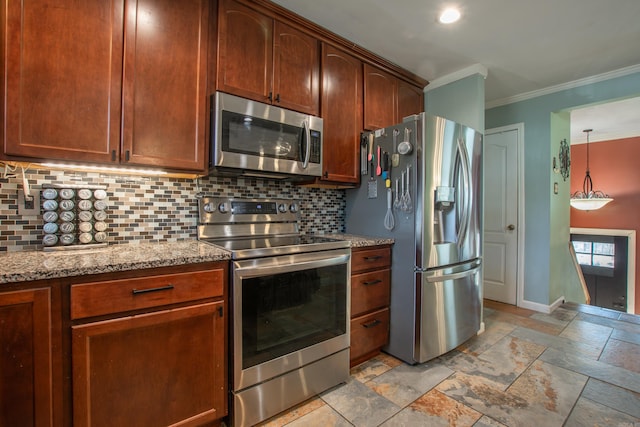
(564, 86)
(457, 75)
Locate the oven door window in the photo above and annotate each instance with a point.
(259, 137)
(289, 311)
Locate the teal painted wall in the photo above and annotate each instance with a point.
(547, 275)
(461, 101)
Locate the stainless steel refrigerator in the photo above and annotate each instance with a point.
(421, 185)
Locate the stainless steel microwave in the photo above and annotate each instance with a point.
(257, 139)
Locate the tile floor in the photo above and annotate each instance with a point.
(578, 366)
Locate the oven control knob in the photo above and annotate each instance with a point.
(222, 207)
(209, 207)
(282, 208)
(293, 208)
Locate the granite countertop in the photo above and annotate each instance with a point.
(362, 241)
(38, 265)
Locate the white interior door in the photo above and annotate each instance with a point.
(501, 215)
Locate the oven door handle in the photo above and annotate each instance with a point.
(288, 263)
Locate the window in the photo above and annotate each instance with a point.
(596, 254)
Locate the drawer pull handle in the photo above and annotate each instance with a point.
(372, 258)
(371, 324)
(373, 282)
(146, 291)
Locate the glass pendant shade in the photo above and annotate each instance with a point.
(588, 199)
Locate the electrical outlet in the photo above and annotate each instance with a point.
(28, 207)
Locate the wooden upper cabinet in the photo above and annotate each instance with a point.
(380, 98)
(387, 99)
(69, 90)
(63, 72)
(342, 115)
(245, 51)
(410, 100)
(266, 60)
(165, 83)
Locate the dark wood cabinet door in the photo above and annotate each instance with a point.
(63, 68)
(26, 358)
(380, 98)
(410, 100)
(341, 114)
(296, 75)
(165, 79)
(245, 52)
(154, 369)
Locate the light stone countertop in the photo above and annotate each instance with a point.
(361, 241)
(37, 265)
(26, 266)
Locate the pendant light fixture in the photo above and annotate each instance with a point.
(588, 199)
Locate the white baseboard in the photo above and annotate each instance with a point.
(536, 306)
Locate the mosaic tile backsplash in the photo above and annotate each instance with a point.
(160, 209)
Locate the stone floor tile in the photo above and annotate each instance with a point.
(587, 332)
(373, 367)
(404, 384)
(559, 343)
(631, 318)
(551, 392)
(360, 405)
(475, 392)
(528, 322)
(492, 375)
(622, 354)
(590, 413)
(612, 396)
(513, 354)
(494, 331)
(621, 335)
(593, 368)
(598, 311)
(560, 316)
(324, 416)
(488, 422)
(294, 413)
(612, 323)
(436, 405)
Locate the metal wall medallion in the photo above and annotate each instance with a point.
(565, 159)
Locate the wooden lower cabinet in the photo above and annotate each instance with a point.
(370, 296)
(157, 369)
(26, 358)
(149, 348)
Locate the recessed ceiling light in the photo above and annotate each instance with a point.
(449, 16)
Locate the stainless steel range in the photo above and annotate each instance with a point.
(290, 303)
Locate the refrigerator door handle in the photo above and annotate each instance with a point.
(453, 276)
(466, 191)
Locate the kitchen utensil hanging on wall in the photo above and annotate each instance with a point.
(372, 184)
(405, 146)
(389, 220)
(395, 158)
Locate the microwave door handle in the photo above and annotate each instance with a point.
(307, 138)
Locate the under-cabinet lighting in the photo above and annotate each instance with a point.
(93, 168)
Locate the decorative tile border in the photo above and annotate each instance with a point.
(161, 209)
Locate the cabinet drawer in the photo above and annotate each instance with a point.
(369, 333)
(368, 259)
(369, 291)
(115, 296)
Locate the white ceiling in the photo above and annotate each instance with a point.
(525, 45)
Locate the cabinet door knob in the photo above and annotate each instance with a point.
(511, 227)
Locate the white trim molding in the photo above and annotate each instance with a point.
(457, 75)
(564, 86)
